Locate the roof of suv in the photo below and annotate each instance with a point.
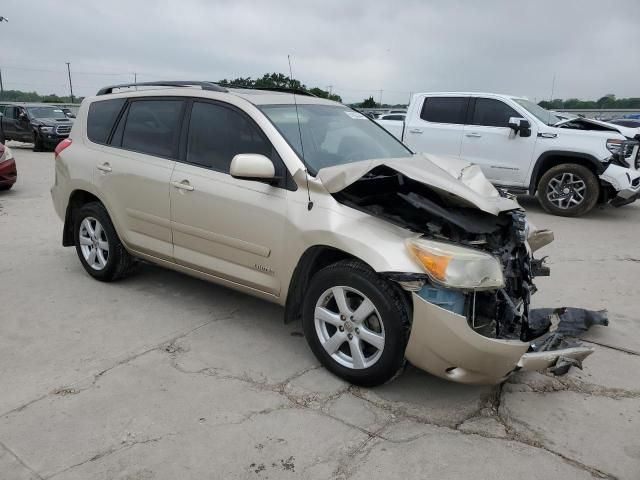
(255, 96)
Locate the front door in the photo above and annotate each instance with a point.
(223, 226)
(503, 156)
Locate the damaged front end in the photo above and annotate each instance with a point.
(478, 332)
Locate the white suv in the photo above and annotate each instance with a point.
(572, 164)
(383, 254)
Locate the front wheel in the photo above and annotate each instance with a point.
(568, 190)
(38, 145)
(356, 323)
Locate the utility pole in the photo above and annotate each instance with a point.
(329, 88)
(1, 85)
(70, 85)
(135, 80)
(380, 99)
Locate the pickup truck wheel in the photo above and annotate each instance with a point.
(100, 250)
(356, 323)
(568, 190)
(37, 143)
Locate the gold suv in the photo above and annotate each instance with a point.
(384, 255)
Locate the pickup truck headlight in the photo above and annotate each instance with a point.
(46, 129)
(457, 267)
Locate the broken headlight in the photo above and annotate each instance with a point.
(457, 267)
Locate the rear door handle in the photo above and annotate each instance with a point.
(473, 135)
(183, 185)
(105, 167)
(415, 130)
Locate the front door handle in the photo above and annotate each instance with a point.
(473, 135)
(183, 185)
(105, 167)
(415, 130)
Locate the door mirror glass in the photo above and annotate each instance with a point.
(252, 166)
(520, 125)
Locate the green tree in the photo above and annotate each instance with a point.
(368, 103)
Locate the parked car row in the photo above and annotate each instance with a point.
(570, 163)
(384, 254)
(42, 124)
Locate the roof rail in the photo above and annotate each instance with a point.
(297, 91)
(203, 85)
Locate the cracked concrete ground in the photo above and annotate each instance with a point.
(162, 376)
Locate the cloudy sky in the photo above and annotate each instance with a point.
(358, 47)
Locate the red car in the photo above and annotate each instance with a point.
(8, 171)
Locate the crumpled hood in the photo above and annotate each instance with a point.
(628, 132)
(448, 175)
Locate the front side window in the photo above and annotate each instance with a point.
(217, 134)
(445, 110)
(492, 113)
(101, 118)
(332, 135)
(153, 127)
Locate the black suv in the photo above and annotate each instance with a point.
(43, 124)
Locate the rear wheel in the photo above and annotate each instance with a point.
(100, 251)
(568, 190)
(356, 323)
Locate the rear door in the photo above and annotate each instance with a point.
(488, 141)
(435, 125)
(227, 227)
(134, 169)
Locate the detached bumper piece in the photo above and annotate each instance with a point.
(558, 350)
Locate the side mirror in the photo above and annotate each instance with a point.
(252, 166)
(520, 125)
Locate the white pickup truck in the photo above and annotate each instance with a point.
(571, 164)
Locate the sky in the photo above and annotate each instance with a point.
(387, 49)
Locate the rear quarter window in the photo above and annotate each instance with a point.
(102, 115)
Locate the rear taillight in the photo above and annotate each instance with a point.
(61, 146)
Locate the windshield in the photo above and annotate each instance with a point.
(46, 112)
(537, 111)
(333, 135)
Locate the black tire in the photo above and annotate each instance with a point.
(4, 188)
(393, 309)
(37, 143)
(119, 262)
(2, 139)
(590, 194)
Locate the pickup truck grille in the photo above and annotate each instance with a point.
(63, 129)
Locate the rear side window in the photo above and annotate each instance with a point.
(153, 127)
(101, 118)
(492, 113)
(445, 110)
(217, 134)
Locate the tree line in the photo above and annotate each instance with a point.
(20, 96)
(606, 102)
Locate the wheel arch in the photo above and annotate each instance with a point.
(557, 157)
(312, 260)
(77, 199)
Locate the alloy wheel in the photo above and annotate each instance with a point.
(566, 190)
(349, 327)
(94, 243)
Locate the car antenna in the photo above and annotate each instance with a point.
(295, 102)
